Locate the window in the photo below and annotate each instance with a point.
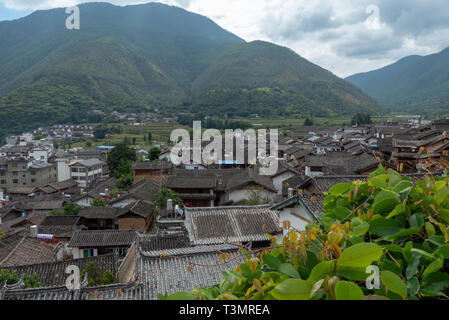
(33, 180)
(3, 181)
(15, 181)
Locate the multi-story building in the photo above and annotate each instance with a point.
(86, 171)
(21, 172)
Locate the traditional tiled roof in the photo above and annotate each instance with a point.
(100, 212)
(30, 251)
(164, 242)
(313, 202)
(230, 224)
(43, 205)
(59, 226)
(324, 183)
(247, 177)
(53, 273)
(169, 271)
(102, 238)
(155, 165)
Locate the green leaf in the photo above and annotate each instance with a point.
(430, 229)
(424, 254)
(417, 220)
(413, 286)
(403, 233)
(412, 267)
(433, 267)
(394, 283)
(321, 270)
(444, 214)
(340, 189)
(345, 290)
(354, 260)
(359, 227)
(443, 252)
(383, 227)
(341, 212)
(289, 270)
(399, 209)
(385, 202)
(182, 296)
(271, 261)
(292, 289)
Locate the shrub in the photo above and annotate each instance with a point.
(387, 223)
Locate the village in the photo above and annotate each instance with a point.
(63, 208)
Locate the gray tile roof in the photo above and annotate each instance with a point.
(53, 273)
(102, 238)
(184, 269)
(230, 224)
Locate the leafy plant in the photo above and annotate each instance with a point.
(32, 281)
(387, 222)
(162, 196)
(94, 276)
(10, 277)
(98, 202)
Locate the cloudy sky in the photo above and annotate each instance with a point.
(343, 36)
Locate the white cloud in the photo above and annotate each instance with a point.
(339, 35)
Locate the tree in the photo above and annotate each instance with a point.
(119, 153)
(32, 281)
(100, 132)
(94, 277)
(256, 198)
(150, 137)
(98, 202)
(162, 196)
(134, 141)
(308, 122)
(70, 209)
(154, 153)
(385, 237)
(361, 119)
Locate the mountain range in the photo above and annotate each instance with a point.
(415, 83)
(154, 56)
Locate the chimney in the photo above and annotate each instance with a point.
(290, 192)
(170, 206)
(33, 231)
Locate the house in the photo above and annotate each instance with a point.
(67, 187)
(156, 171)
(40, 208)
(85, 172)
(284, 172)
(62, 227)
(340, 163)
(20, 172)
(299, 210)
(244, 224)
(29, 250)
(240, 186)
(197, 190)
(135, 216)
(92, 243)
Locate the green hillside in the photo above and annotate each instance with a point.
(415, 83)
(148, 56)
(260, 77)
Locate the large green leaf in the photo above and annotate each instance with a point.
(271, 261)
(340, 189)
(321, 270)
(345, 290)
(383, 227)
(354, 260)
(403, 233)
(289, 270)
(412, 268)
(292, 289)
(394, 283)
(385, 202)
(359, 227)
(433, 267)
